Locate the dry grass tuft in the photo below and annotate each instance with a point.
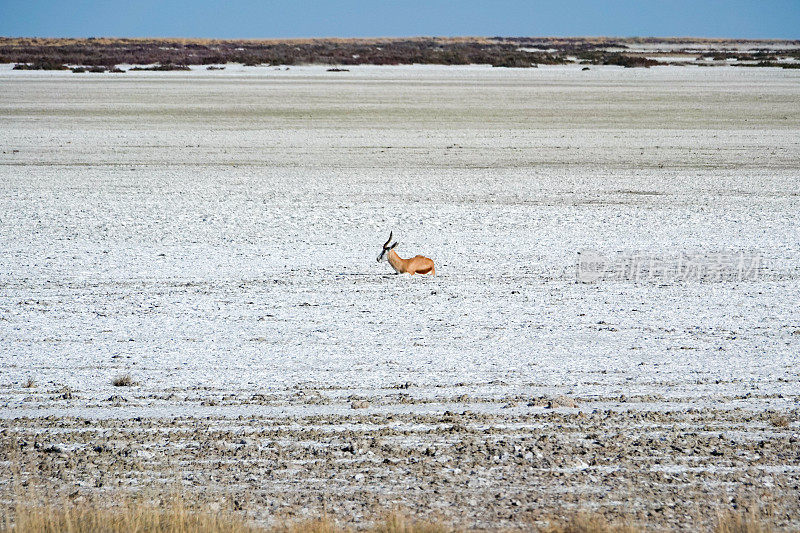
(319, 525)
(397, 523)
(589, 523)
(780, 421)
(30, 383)
(123, 381)
(392, 523)
(141, 517)
(741, 522)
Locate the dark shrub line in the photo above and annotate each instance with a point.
(516, 52)
(177, 54)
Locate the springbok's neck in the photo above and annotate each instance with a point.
(395, 261)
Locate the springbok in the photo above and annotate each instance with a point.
(418, 264)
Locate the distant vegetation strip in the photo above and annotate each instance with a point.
(105, 54)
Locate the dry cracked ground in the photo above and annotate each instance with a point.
(482, 462)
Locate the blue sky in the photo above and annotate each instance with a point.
(778, 19)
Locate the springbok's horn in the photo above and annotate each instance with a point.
(390, 240)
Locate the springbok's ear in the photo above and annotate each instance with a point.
(392, 246)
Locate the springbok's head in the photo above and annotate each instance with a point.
(385, 252)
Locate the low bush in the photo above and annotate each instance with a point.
(41, 65)
(628, 61)
(123, 381)
(164, 67)
(514, 62)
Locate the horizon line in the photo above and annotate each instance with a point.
(419, 36)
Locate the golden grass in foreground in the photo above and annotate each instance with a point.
(393, 523)
(588, 523)
(129, 516)
(175, 517)
(743, 522)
